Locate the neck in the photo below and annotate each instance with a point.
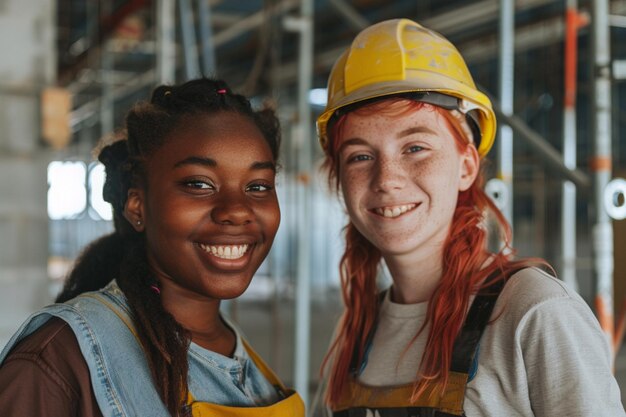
(414, 278)
(200, 316)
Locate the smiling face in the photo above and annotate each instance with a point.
(209, 207)
(400, 174)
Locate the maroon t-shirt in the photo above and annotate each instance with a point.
(46, 375)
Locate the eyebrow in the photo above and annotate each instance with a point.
(209, 162)
(416, 129)
(406, 132)
(350, 142)
(264, 165)
(196, 160)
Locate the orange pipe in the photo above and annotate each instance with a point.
(620, 329)
(571, 55)
(607, 323)
(605, 317)
(598, 163)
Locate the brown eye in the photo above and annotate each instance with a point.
(259, 188)
(200, 185)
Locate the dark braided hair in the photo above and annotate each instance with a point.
(123, 254)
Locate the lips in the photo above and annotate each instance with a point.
(391, 212)
(226, 251)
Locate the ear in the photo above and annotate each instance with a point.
(134, 210)
(470, 166)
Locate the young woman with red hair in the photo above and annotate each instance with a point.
(461, 330)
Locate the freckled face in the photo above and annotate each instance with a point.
(400, 177)
(210, 208)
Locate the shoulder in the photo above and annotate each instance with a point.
(533, 289)
(54, 349)
(43, 338)
(47, 340)
(46, 374)
(534, 284)
(47, 358)
(535, 305)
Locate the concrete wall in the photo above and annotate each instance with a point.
(27, 48)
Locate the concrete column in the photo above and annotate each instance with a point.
(27, 35)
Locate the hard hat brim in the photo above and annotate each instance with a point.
(418, 83)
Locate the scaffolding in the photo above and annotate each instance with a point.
(194, 46)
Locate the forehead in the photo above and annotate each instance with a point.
(380, 123)
(392, 118)
(216, 135)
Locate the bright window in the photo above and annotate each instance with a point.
(67, 194)
(96, 202)
(318, 96)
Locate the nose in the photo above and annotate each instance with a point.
(389, 175)
(232, 212)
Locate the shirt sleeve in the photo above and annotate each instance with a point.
(29, 387)
(568, 361)
(46, 375)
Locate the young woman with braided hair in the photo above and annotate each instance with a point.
(137, 330)
(461, 331)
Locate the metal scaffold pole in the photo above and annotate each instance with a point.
(107, 102)
(506, 86)
(188, 32)
(568, 198)
(166, 41)
(600, 165)
(206, 38)
(304, 24)
(107, 122)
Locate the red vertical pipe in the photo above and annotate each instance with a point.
(571, 56)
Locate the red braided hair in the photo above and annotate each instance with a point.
(465, 255)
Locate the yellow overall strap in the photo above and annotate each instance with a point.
(267, 372)
(356, 395)
(117, 310)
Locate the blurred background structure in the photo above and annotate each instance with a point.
(70, 69)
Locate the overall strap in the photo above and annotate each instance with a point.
(394, 412)
(267, 372)
(357, 366)
(119, 311)
(466, 343)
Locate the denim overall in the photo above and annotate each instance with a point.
(358, 400)
(121, 378)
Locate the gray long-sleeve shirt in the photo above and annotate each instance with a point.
(544, 355)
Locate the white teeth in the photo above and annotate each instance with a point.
(394, 211)
(226, 252)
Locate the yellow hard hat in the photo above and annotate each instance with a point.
(401, 57)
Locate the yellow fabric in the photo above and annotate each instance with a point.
(357, 395)
(291, 406)
(401, 56)
(263, 367)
